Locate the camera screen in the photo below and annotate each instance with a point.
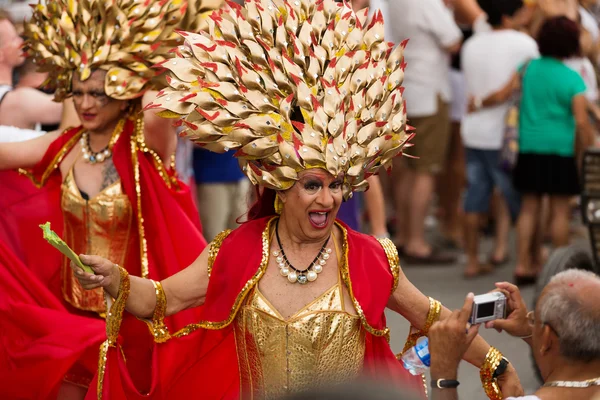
(485, 310)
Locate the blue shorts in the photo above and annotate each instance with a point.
(483, 175)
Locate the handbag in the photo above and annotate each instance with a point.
(510, 140)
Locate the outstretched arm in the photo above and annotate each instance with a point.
(413, 305)
(186, 289)
(409, 302)
(25, 154)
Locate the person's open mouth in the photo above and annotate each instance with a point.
(88, 116)
(319, 219)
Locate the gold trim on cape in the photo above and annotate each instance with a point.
(392, 255)
(214, 248)
(241, 296)
(139, 130)
(68, 146)
(260, 272)
(346, 278)
(113, 325)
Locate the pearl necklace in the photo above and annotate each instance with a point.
(104, 154)
(294, 275)
(574, 384)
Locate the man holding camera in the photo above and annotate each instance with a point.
(563, 332)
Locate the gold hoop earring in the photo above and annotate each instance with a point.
(278, 205)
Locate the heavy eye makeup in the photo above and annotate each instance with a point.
(314, 184)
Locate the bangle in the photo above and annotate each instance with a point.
(115, 314)
(444, 383)
(435, 309)
(478, 103)
(158, 328)
(486, 373)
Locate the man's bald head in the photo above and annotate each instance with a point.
(570, 305)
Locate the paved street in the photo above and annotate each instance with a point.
(447, 285)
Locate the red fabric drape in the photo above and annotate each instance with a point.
(37, 327)
(204, 363)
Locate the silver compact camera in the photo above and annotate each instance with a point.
(488, 307)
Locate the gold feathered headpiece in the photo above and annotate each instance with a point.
(126, 38)
(291, 84)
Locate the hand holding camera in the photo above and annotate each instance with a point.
(515, 323)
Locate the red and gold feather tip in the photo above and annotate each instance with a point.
(126, 38)
(291, 85)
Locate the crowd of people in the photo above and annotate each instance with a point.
(220, 167)
(476, 165)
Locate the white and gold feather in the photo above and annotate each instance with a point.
(126, 38)
(291, 85)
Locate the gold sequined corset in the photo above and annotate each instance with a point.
(99, 226)
(318, 345)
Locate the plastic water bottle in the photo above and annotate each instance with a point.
(416, 360)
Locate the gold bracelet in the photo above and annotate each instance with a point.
(158, 328)
(486, 373)
(115, 314)
(435, 309)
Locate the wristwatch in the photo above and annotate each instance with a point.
(501, 368)
(444, 384)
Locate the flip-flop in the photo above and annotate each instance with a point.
(498, 263)
(483, 270)
(524, 280)
(436, 257)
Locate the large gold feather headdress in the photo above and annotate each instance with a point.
(291, 84)
(126, 38)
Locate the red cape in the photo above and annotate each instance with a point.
(203, 362)
(169, 238)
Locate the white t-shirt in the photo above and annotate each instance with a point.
(431, 29)
(585, 68)
(489, 60)
(524, 398)
(589, 23)
(12, 134)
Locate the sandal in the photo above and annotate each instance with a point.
(498, 263)
(483, 270)
(436, 257)
(524, 280)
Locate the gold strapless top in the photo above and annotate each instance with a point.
(99, 226)
(318, 345)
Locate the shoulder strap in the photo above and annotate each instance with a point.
(4, 90)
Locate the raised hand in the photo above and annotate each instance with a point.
(449, 340)
(515, 323)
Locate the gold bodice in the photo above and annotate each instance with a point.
(321, 343)
(99, 226)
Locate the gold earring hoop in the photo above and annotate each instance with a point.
(278, 205)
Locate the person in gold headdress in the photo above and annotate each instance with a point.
(310, 95)
(110, 190)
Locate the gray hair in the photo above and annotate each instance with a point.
(577, 326)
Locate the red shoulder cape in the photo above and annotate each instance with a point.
(204, 362)
(169, 238)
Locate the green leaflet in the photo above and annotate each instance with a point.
(61, 246)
